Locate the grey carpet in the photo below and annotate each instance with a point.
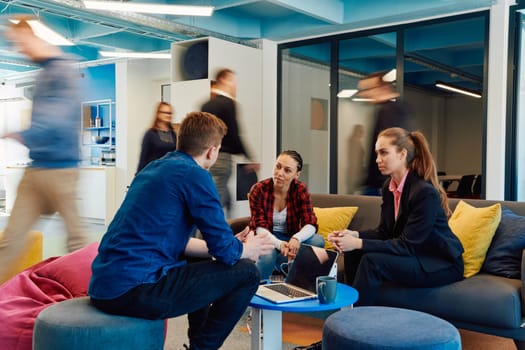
(237, 340)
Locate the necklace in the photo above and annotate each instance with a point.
(165, 136)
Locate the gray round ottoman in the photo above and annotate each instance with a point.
(377, 327)
(75, 324)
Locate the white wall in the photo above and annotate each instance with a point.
(15, 113)
(268, 123)
(138, 90)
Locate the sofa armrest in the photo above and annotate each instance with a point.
(238, 224)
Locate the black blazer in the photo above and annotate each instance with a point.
(421, 228)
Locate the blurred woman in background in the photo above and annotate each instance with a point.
(160, 138)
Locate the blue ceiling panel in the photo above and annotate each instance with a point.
(448, 34)
(319, 53)
(83, 53)
(366, 47)
(257, 9)
(224, 23)
(292, 25)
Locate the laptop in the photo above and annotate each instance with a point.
(300, 283)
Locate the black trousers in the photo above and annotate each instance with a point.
(366, 272)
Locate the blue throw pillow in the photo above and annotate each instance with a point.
(504, 255)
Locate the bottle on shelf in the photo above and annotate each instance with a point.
(98, 122)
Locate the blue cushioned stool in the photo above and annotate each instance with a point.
(76, 325)
(376, 327)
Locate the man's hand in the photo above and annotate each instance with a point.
(241, 236)
(256, 245)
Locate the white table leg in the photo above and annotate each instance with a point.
(256, 340)
(273, 327)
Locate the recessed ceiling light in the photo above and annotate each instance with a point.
(346, 93)
(390, 76)
(361, 99)
(178, 10)
(449, 87)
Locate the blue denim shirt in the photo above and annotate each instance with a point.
(53, 138)
(166, 201)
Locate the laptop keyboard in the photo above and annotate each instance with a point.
(287, 290)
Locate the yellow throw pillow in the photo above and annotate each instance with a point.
(333, 219)
(475, 228)
(30, 255)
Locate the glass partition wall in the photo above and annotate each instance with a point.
(356, 118)
(320, 117)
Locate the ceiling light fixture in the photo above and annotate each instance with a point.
(346, 93)
(178, 10)
(390, 76)
(45, 33)
(361, 99)
(135, 55)
(459, 90)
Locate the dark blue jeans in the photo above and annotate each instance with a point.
(214, 296)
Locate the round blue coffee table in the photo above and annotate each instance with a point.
(272, 314)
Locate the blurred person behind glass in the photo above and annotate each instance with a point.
(391, 112)
(160, 138)
(49, 182)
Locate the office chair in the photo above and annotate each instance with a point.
(464, 189)
(445, 183)
(476, 188)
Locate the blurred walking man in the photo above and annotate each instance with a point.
(49, 183)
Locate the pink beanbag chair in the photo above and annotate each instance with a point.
(26, 294)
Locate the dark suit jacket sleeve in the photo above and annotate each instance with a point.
(420, 204)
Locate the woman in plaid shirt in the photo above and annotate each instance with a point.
(281, 206)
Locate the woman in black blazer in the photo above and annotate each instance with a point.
(413, 244)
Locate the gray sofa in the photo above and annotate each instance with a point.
(484, 303)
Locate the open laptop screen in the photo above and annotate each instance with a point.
(310, 263)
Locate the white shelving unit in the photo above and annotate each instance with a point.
(90, 110)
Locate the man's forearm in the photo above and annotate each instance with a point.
(197, 248)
